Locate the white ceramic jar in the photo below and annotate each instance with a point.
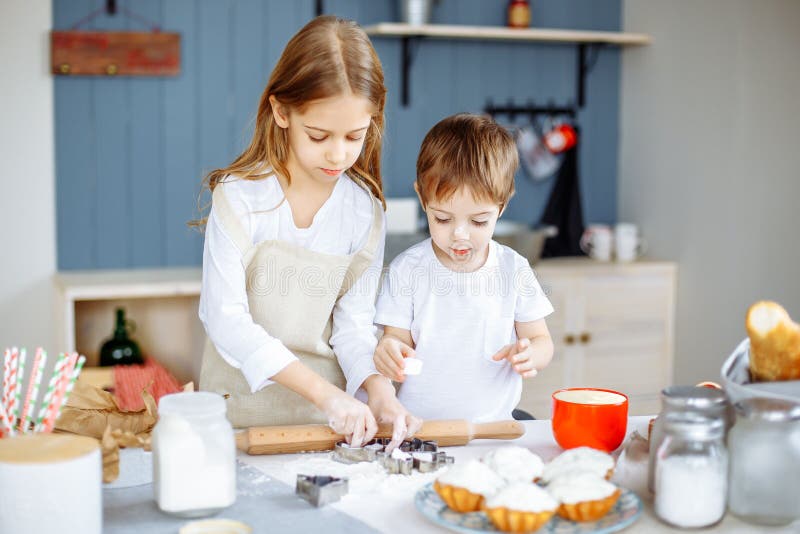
(194, 455)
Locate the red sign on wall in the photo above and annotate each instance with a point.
(84, 53)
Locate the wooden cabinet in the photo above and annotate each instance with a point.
(612, 328)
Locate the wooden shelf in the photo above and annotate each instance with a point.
(443, 31)
(583, 39)
(129, 283)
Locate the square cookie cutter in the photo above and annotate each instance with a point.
(320, 490)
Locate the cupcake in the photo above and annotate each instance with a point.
(584, 496)
(579, 460)
(514, 464)
(464, 487)
(520, 507)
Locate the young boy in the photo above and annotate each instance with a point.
(469, 308)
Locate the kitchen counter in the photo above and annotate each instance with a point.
(393, 511)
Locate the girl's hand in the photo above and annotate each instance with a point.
(389, 356)
(520, 356)
(349, 417)
(387, 409)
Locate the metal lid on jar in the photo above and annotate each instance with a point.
(693, 397)
(768, 409)
(192, 404)
(693, 426)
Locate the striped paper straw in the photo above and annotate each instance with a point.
(51, 389)
(33, 389)
(61, 389)
(6, 377)
(72, 380)
(16, 404)
(5, 422)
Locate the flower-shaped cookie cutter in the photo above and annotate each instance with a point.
(422, 455)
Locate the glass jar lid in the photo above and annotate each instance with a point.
(692, 426)
(768, 409)
(192, 404)
(693, 397)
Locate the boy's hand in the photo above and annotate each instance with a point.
(520, 356)
(389, 356)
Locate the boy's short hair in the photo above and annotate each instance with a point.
(467, 150)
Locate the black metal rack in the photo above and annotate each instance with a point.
(511, 110)
(586, 58)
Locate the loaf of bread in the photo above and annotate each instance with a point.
(774, 343)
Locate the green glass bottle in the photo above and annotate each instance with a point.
(120, 349)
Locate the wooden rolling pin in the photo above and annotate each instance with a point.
(304, 438)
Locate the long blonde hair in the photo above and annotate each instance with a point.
(328, 57)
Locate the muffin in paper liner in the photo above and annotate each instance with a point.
(578, 460)
(459, 499)
(589, 510)
(517, 521)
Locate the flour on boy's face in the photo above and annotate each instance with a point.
(461, 229)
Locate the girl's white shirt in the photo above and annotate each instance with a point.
(341, 227)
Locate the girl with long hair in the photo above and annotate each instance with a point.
(294, 247)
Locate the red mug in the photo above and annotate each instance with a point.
(585, 417)
(561, 138)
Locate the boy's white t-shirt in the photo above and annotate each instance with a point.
(458, 321)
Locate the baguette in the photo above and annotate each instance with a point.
(774, 343)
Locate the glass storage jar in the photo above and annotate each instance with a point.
(708, 402)
(691, 472)
(764, 445)
(194, 455)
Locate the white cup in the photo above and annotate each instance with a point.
(627, 243)
(596, 242)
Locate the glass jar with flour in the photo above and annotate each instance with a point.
(194, 455)
(691, 471)
(711, 403)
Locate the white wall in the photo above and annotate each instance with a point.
(27, 197)
(710, 161)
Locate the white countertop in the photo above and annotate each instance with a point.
(393, 511)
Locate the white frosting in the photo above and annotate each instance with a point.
(412, 366)
(515, 464)
(474, 476)
(578, 460)
(523, 497)
(588, 396)
(580, 487)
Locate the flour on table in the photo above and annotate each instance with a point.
(363, 477)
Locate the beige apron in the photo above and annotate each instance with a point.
(291, 292)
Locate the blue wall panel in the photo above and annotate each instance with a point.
(131, 152)
(181, 139)
(146, 160)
